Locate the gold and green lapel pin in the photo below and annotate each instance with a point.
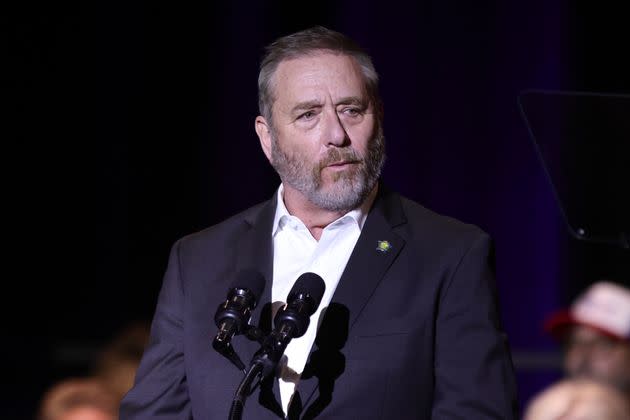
(383, 246)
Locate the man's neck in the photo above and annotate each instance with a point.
(314, 218)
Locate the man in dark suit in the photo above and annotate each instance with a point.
(408, 327)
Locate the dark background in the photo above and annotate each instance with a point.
(131, 125)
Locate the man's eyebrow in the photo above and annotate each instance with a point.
(303, 106)
(352, 100)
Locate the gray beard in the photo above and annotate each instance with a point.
(350, 188)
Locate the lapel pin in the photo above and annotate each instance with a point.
(383, 246)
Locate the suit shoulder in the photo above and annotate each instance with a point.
(225, 230)
(428, 223)
(442, 241)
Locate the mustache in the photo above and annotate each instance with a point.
(340, 155)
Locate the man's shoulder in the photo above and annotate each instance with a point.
(426, 223)
(435, 238)
(229, 228)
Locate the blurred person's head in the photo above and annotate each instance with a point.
(78, 399)
(596, 334)
(117, 364)
(576, 399)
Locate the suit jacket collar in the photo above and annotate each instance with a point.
(256, 248)
(375, 251)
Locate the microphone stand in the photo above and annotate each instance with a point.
(263, 364)
(243, 391)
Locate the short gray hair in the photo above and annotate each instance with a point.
(308, 42)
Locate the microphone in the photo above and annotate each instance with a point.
(291, 321)
(233, 315)
(303, 300)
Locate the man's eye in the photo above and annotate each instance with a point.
(352, 112)
(308, 115)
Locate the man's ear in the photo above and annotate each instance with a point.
(264, 135)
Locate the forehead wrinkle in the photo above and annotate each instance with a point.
(314, 85)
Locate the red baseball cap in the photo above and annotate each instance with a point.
(604, 306)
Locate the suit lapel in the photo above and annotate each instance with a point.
(375, 251)
(255, 251)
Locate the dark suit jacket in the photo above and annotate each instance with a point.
(412, 332)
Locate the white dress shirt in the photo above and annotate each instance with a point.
(295, 252)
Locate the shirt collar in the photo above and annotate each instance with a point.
(358, 215)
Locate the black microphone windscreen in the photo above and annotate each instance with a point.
(312, 284)
(251, 280)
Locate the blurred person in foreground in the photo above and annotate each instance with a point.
(117, 363)
(595, 332)
(79, 399)
(408, 325)
(579, 399)
(98, 396)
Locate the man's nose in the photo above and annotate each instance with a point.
(334, 131)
